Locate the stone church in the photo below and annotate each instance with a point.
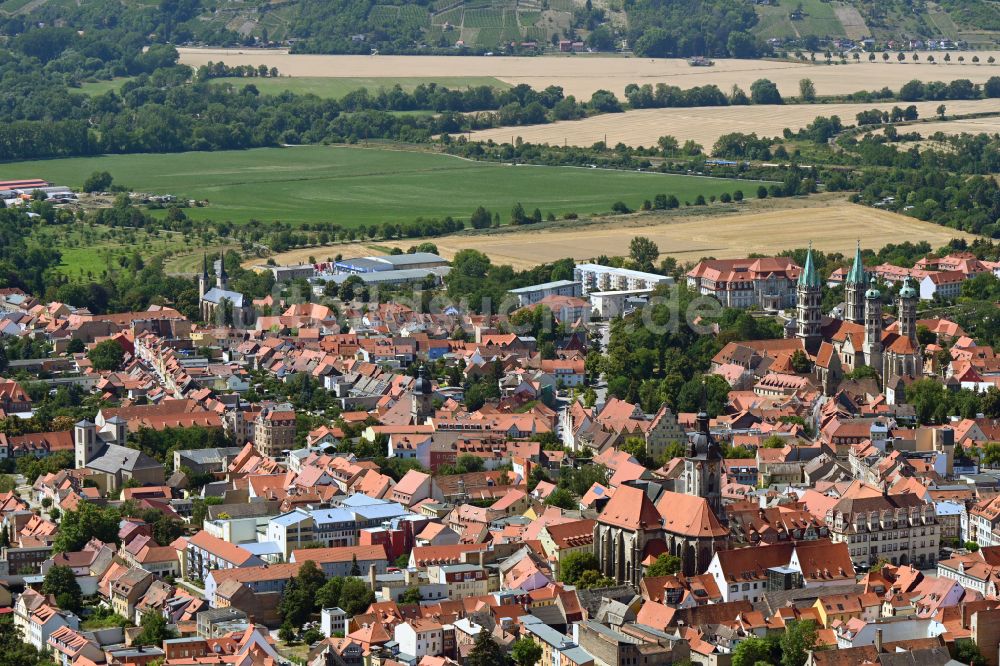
(634, 528)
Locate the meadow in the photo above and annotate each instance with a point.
(351, 186)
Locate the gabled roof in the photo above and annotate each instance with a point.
(688, 515)
(630, 508)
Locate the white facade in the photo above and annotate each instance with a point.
(595, 277)
(426, 638)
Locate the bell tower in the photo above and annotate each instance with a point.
(873, 328)
(908, 310)
(854, 290)
(84, 443)
(809, 305)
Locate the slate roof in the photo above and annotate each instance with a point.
(115, 458)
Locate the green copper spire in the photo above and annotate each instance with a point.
(857, 274)
(809, 277)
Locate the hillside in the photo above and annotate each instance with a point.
(976, 22)
(653, 28)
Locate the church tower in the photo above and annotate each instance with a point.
(422, 407)
(809, 305)
(84, 443)
(854, 290)
(873, 328)
(222, 280)
(703, 466)
(203, 278)
(908, 310)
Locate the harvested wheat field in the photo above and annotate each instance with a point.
(833, 226)
(643, 127)
(581, 75)
(765, 226)
(989, 125)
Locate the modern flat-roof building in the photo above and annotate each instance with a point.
(611, 304)
(595, 277)
(402, 276)
(392, 262)
(288, 273)
(534, 293)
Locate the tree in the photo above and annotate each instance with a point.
(601, 39)
(800, 362)
(481, 218)
(106, 355)
(751, 651)
(526, 652)
(561, 498)
(356, 596)
(411, 595)
(591, 579)
(941, 110)
(643, 252)
(967, 652)
(99, 181)
(764, 91)
(799, 638)
(15, 650)
(486, 652)
(665, 565)
(573, 565)
(761, 192)
(807, 90)
(154, 630)
(61, 582)
(328, 596)
(299, 600)
(86, 523)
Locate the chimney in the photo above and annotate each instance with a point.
(878, 640)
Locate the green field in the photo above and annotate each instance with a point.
(351, 186)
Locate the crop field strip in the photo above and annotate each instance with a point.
(705, 125)
(581, 75)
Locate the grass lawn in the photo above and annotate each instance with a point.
(351, 186)
(337, 87)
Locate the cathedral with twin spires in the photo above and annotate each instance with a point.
(860, 337)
